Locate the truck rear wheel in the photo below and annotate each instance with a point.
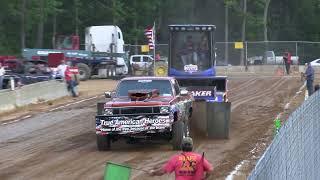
(111, 72)
(178, 133)
(103, 143)
(84, 71)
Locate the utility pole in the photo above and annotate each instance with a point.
(265, 20)
(23, 24)
(243, 36)
(226, 33)
(76, 5)
(114, 12)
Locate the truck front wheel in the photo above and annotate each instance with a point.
(178, 133)
(84, 71)
(103, 143)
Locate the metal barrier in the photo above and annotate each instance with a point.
(32, 93)
(295, 151)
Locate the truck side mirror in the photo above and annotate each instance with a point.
(107, 94)
(183, 92)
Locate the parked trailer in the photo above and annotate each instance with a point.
(103, 65)
(103, 56)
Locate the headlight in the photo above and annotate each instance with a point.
(108, 111)
(164, 109)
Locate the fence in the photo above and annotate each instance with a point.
(228, 54)
(161, 49)
(294, 153)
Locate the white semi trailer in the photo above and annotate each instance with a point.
(107, 39)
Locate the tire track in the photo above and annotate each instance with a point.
(240, 101)
(243, 100)
(252, 88)
(258, 94)
(247, 83)
(67, 150)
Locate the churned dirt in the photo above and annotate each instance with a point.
(61, 144)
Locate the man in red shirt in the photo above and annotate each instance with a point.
(187, 165)
(71, 76)
(287, 61)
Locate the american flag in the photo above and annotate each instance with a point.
(149, 32)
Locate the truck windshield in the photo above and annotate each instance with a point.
(191, 50)
(164, 86)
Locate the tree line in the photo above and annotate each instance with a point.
(32, 23)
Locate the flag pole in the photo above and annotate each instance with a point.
(154, 48)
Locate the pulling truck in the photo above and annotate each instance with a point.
(153, 108)
(192, 62)
(166, 107)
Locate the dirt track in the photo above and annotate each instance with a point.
(61, 144)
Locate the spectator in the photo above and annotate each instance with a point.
(71, 78)
(186, 165)
(2, 72)
(61, 69)
(203, 45)
(158, 57)
(188, 53)
(287, 61)
(203, 50)
(309, 74)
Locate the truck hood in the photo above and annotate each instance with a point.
(128, 101)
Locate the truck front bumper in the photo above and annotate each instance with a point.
(126, 125)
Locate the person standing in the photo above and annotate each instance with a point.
(203, 51)
(287, 61)
(309, 74)
(187, 165)
(2, 72)
(61, 69)
(72, 78)
(188, 53)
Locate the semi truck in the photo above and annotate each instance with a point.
(103, 55)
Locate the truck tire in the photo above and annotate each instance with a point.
(103, 143)
(100, 108)
(161, 68)
(150, 72)
(84, 71)
(186, 128)
(178, 133)
(111, 72)
(133, 72)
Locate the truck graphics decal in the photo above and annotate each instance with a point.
(132, 125)
(132, 129)
(206, 91)
(201, 93)
(136, 122)
(190, 68)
